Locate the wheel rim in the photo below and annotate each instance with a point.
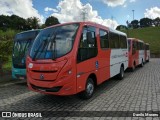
(90, 88)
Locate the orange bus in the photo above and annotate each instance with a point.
(72, 58)
(136, 53)
(147, 52)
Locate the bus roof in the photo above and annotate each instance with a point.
(135, 39)
(92, 24)
(29, 31)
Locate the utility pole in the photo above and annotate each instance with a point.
(133, 14)
(84, 13)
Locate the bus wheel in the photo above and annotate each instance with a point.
(88, 92)
(121, 73)
(142, 64)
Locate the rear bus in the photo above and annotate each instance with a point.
(22, 43)
(147, 52)
(136, 53)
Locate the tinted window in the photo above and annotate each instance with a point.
(88, 44)
(140, 46)
(134, 47)
(123, 41)
(129, 45)
(104, 39)
(114, 40)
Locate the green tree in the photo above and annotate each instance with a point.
(17, 23)
(5, 22)
(32, 22)
(135, 23)
(51, 21)
(156, 21)
(121, 27)
(145, 22)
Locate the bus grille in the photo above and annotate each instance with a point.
(54, 89)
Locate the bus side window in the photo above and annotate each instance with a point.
(129, 45)
(88, 44)
(114, 40)
(104, 41)
(133, 47)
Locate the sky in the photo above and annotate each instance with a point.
(110, 13)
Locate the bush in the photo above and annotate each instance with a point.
(6, 47)
(3, 59)
(7, 35)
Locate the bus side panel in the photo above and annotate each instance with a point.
(118, 57)
(104, 65)
(84, 69)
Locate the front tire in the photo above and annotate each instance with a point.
(89, 89)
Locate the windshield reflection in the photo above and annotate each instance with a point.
(54, 42)
(22, 43)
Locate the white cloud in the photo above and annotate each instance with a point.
(114, 3)
(50, 9)
(152, 13)
(22, 8)
(125, 5)
(73, 10)
(132, 1)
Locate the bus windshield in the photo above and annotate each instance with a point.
(54, 42)
(22, 43)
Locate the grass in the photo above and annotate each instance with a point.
(149, 35)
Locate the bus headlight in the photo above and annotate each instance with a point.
(30, 65)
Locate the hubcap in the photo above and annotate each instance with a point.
(90, 88)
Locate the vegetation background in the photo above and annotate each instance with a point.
(9, 27)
